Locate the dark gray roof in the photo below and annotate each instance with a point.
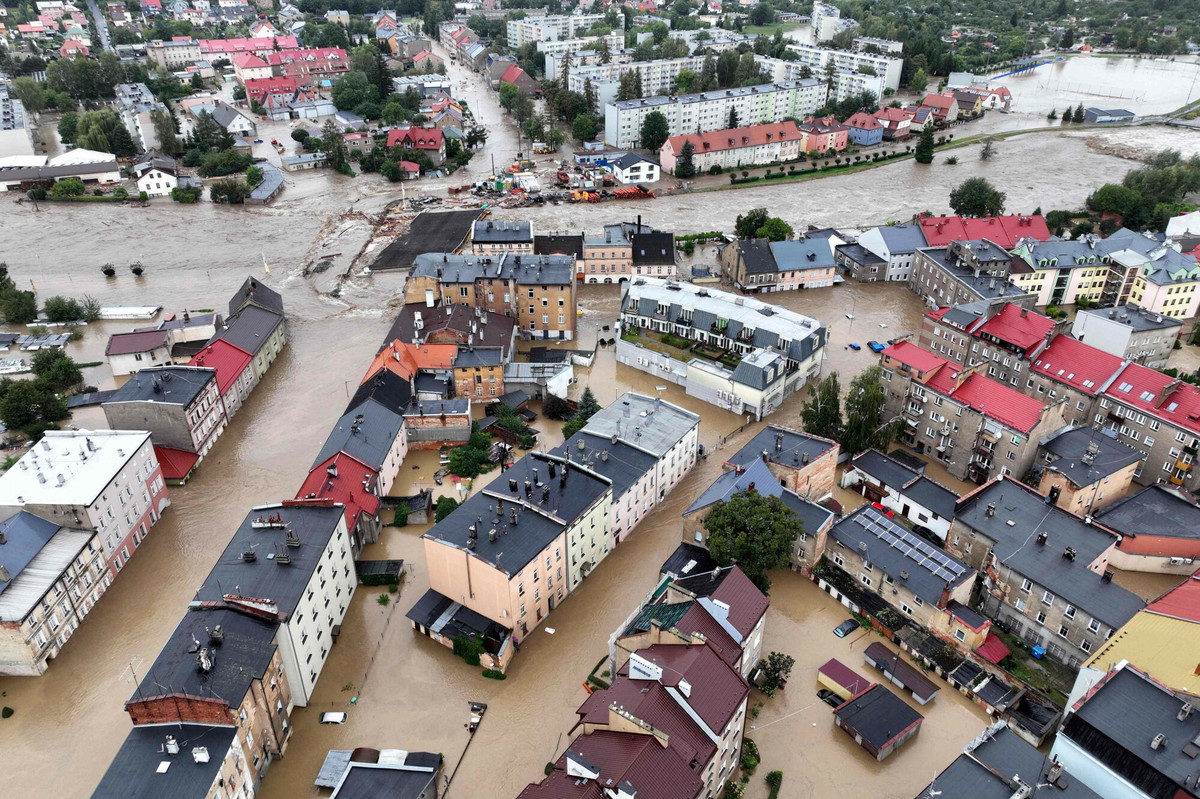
(524, 268)
(368, 439)
(684, 554)
(738, 481)
(812, 516)
(250, 328)
(447, 617)
(902, 238)
(1082, 466)
(985, 286)
(757, 257)
(933, 495)
(623, 465)
(559, 245)
(262, 578)
(25, 536)
(630, 159)
(478, 356)
(878, 715)
(385, 387)
(495, 232)
(923, 568)
(759, 369)
(254, 291)
(653, 249)
(1154, 510)
(538, 522)
(811, 253)
(1133, 317)
(436, 407)
(783, 445)
(134, 772)
(243, 655)
(887, 471)
(457, 319)
(433, 384)
(1116, 724)
(907, 481)
(965, 613)
(365, 782)
(175, 385)
(984, 772)
(859, 254)
(966, 314)
(1017, 548)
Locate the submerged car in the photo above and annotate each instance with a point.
(333, 717)
(829, 697)
(845, 628)
(876, 346)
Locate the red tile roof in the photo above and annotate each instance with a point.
(698, 620)
(655, 707)
(844, 676)
(261, 87)
(417, 138)
(246, 45)
(993, 649)
(130, 343)
(937, 101)
(1003, 230)
(1181, 602)
(991, 398)
(407, 359)
(344, 485)
(890, 114)
(512, 74)
(248, 61)
(716, 689)
(731, 138)
(653, 770)
(1158, 394)
(1018, 326)
(911, 355)
(228, 359)
(863, 121)
(1079, 365)
(176, 463)
(746, 603)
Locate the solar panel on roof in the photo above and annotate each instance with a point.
(939, 563)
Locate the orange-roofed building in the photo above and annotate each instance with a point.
(731, 148)
(406, 360)
(235, 378)
(73, 48)
(248, 66)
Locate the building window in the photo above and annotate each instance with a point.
(906, 609)
(919, 602)
(1047, 598)
(865, 579)
(1026, 585)
(1063, 630)
(1070, 612)
(1085, 645)
(1041, 618)
(838, 559)
(960, 635)
(1094, 625)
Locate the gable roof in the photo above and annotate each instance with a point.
(1154, 511)
(1018, 326)
(366, 433)
(864, 121)
(1157, 394)
(1081, 366)
(1085, 455)
(731, 138)
(638, 763)
(878, 716)
(1005, 231)
(130, 343)
(255, 292)
(416, 138)
(343, 478)
(35, 552)
(228, 359)
(783, 445)
(250, 328)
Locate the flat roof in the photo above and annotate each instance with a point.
(86, 460)
(1153, 511)
(621, 463)
(142, 769)
(172, 385)
(650, 423)
(1085, 455)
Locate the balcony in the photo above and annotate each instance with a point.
(1183, 466)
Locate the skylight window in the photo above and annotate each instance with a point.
(1126, 387)
(1147, 396)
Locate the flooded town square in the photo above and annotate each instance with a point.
(403, 690)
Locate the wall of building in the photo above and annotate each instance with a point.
(482, 383)
(1092, 773)
(1082, 500)
(431, 432)
(663, 367)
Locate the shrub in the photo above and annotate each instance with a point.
(6, 712)
(494, 674)
(750, 756)
(549, 769)
(952, 160)
(142, 196)
(733, 790)
(121, 193)
(445, 506)
(383, 599)
(185, 195)
(715, 169)
(97, 192)
(393, 588)
(468, 649)
(775, 779)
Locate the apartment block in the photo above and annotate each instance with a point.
(107, 481)
(1159, 529)
(560, 48)
(817, 58)
(1075, 372)
(491, 238)
(731, 148)
(187, 761)
(907, 491)
(1049, 584)
(708, 111)
(134, 105)
(657, 76)
(16, 137)
(536, 290)
(53, 577)
(964, 272)
(1005, 336)
(845, 81)
(174, 54)
(551, 27)
(1084, 469)
(1129, 332)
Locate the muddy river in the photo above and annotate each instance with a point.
(412, 693)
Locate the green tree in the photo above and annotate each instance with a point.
(655, 130)
(586, 409)
(1078, 115)
(629, 86)
(747, 224)
(352, 90)
(1112, 198)
(685, 165)
(822, 411)
(988, 150)
(333, 144)
(754, 531)
(977, 197)
(68, 187)
(584, 128)
(445, 506)
(865, 429)
(776, 668)
(924, 151)
(17, 307)
(67, 126)
(774, 229)
(732, 122)
(56, 368)
(30, 93)
(121, 144)
(918, 81)
(164, 131)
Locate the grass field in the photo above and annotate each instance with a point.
(768, 30)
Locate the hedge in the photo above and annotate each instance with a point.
(494, 674)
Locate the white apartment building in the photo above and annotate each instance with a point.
(108, 481)
(550, 28)
(816, 57)
(889, 46)
(846, 83)
(15, 136)
(827, 22)
(560, 47)
(291, 562)
(708, 111)
(657, 76)
(52, 578)
(134, 104)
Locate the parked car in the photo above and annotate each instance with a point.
(333, 717)
(845, 628)
(876, 346)
(854, 347)
(829, 697)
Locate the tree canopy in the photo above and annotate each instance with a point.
(655, 130)
(822, 411)
(754, 531)
(864, 428)
(977, 197)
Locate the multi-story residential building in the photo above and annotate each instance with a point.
(174, 54)
(976, 426)
(849, 62)
(654, 254)
(1048, 576)
(235, 374)
(53, 576)
(845, 81)
(180, 406)
(622, 251)
(1122, 738)
(221, 667)
(1004, 335)
(1159, 529)
(343, 478)
(1129, 332)
(633, 760)
(1004, 231)
(256, 323)
(689, 696)
(290, 563)
(454, 324)
(732, 148)
(305, 64)
(134, 104)
(859, 263)
(372, 432)
(657, 76)
(904, 490)
(1127, 268)
(1084, 469)
(998, 758)
(108, 481)
(560, 48)
(963, 272)
(491, 238)
(1071, 370)
(645, 446)
(865, 44)
(16, 138)
(551, 27)
(263, 46)
(780, 350)
(864, 129)
(188, 761)
(895, 245)
(708, 111)
(802, 463)
(547, 530)
(537, 290)
(479, 373)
